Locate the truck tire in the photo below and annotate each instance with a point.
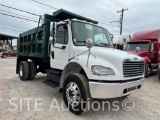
(24, 70)
(4, 56)
(159, 73)
(76, 93)
(32, 70)
(147, 71)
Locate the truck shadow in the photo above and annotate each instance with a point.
(154, 79)
(40, 77)
(110, 106)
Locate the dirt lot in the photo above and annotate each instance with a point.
(14, 92)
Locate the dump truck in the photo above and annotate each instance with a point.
(78, 57)
(146, 44)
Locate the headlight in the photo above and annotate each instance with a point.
(100, 70)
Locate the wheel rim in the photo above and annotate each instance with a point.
(73, 94)
(21, 71)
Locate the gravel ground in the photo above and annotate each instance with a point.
(13, 93)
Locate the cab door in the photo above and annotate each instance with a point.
(60, 47)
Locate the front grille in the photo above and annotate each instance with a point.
(133, 68)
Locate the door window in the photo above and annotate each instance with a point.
(62, 34)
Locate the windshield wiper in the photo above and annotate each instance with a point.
(81, 41)
(105, 44)
(96, 44)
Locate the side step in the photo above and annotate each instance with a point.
(53, 78)
(51, 83)
(54, 71)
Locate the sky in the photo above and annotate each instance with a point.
(141, 14)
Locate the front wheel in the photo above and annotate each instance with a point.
(147, 71)
(76, 93)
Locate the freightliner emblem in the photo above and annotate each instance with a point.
(135, 58)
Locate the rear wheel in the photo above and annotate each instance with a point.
(24, 70)
(32, 70)
(147, 71)
(76, 94)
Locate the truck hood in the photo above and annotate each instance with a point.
(141, 53)
(107, 57)
(110, 55)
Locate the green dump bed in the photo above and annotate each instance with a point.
(34, 42)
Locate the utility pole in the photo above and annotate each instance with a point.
(121, 19)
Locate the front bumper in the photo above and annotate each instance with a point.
(104, 90)
(154, 67)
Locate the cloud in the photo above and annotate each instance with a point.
(142, 14)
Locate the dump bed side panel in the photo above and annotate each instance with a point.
(34, 43)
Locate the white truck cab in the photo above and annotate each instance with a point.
(84, 64)
(120, 41)
(110, 73)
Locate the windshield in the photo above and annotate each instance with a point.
(83, 31)
(143, 46)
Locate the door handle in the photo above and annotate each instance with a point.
(63, 47)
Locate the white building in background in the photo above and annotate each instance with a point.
(6, 47)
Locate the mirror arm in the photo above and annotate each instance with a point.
(78, 55)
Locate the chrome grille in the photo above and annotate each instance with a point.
(133, 68)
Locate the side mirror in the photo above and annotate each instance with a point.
(52, 32)
(89, 43)
(137, 50)
(53, 40)
(111, 36)
(156, 46)
(124, 40)
(42, 19)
